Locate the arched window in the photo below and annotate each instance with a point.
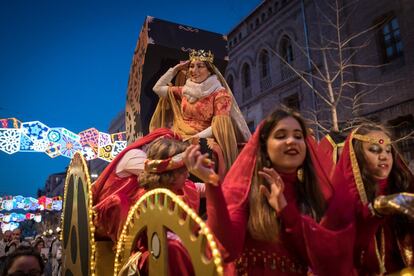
(286, 49)
(286, 52)
(246, 75)
(264, 64)
(246, 83)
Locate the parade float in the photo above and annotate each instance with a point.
(161, 44)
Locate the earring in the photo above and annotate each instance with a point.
(300, 175)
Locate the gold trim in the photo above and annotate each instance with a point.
(79, 169)
(356, 172)
(172, 213)
(335, 148)
(372, 140)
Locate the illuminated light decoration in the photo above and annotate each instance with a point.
(37, 133)
(53, 151)
(118, 146)
(104, 139)
(89, 140)
(105, 153)
(89, 153)
(119, 136)
(10, 123)
(90, 137)
(35, 136)
(10, 140)
(26, 144)
(35, 130)
(18, 217)
(9, 226)
(9, 203)
(69, 144)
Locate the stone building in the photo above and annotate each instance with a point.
(291, 30)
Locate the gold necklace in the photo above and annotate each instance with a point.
(381, 255)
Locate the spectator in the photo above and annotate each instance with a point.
(3, 243)
(15, 241)
(23, 261)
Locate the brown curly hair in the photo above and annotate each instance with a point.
(161, 148)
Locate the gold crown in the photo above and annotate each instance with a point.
(201, 55)
(372, 140)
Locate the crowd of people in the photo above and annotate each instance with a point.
(41, 255)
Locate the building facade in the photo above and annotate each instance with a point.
(377, 54)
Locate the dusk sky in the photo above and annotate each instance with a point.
(66, 64)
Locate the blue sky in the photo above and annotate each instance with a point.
(66, 64)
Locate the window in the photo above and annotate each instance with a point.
(240, 36)
(269, 11)
(263, 17)
(286, 52)
(402, 127)
(286, 49)
(264, 64)
(246, 76)
(257, 22)
(292, 102)
(391, 40)
(246, 83)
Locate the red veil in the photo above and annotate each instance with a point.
(328, 251)
(350, 203)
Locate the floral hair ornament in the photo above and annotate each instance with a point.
(201, 55)
(163, 165)
(372, 140)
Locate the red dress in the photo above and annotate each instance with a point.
(303, 244)
(113, 195)
(217, 103)
(376, 241)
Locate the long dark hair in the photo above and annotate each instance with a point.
(262, 222)
(399, 180)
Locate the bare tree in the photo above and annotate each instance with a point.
(331, 72)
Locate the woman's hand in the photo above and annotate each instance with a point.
(275, 196)
(199, 165)
(180, 66)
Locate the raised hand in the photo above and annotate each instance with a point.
(275, 196)
(200, 165)
(182, 65)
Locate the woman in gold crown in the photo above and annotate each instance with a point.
(204, 108)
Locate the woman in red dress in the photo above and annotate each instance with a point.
(266, 212)
(117, 188)
(371, 185)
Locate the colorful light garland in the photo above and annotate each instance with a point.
(9, 203)
(35, 136)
